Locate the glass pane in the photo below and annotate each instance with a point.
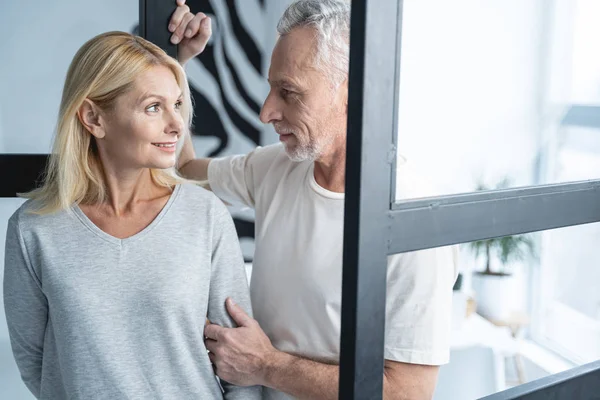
(576, 157)
(569, 313)
(534, 313)
(586, 58)
(484, 91)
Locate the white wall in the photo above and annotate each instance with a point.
(2, 149)
(39, 39)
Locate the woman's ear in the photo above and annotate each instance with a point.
(89, 116)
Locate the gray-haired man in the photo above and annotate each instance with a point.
(297, 190)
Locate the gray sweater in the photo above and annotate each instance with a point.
(91, 316)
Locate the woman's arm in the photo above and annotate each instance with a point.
(26, 308)
(228, 279)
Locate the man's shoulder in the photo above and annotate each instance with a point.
(271, 150)
(271, 164)
(268, 155)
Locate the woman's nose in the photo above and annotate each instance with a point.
(174, 123)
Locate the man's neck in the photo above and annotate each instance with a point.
(330, 171)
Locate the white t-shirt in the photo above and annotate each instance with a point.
(297, 270)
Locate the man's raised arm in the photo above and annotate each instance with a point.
(189, 166)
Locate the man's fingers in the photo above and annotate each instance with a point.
(213, 361)
(236, 312)
(203, 32)
(211, 345)
(180, 31)
(177, 16)
(180, 2)
(213, 331)
(193, 26)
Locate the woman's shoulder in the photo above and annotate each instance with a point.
(195, 192)
(199, 209)
(27, 217)
(199, 199)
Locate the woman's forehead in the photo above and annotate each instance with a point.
(158, 81)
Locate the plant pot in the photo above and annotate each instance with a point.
(494, 294)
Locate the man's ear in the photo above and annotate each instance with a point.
(90, 117)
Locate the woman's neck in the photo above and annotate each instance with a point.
(126, 189)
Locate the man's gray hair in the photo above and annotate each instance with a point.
(331, 20)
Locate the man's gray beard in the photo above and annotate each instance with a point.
(310, 151)
(302, 153)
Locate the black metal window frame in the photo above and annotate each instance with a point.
(376, 225)
(154, 21)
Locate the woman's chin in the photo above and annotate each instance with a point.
(164, 163)
(164, 166)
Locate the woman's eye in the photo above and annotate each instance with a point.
(152, 108)
(178, 105)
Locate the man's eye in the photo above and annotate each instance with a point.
(285, 92)
(153, 108)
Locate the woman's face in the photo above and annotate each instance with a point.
(143, 127)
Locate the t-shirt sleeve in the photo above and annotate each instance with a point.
(419, 306)
(228, 279)
(26, 308)
(237, 179)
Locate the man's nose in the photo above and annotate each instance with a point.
(271, 110)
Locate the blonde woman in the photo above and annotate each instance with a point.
(114, 264)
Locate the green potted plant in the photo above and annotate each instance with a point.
(494, 283)
(507, 249)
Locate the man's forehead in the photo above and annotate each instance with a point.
(294, 51)
(276, 79)
(291, 71)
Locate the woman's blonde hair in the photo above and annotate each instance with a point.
(103, 69)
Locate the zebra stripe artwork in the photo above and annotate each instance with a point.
(228, 84)
(227, 79)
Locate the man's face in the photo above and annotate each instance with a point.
(307, 111)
